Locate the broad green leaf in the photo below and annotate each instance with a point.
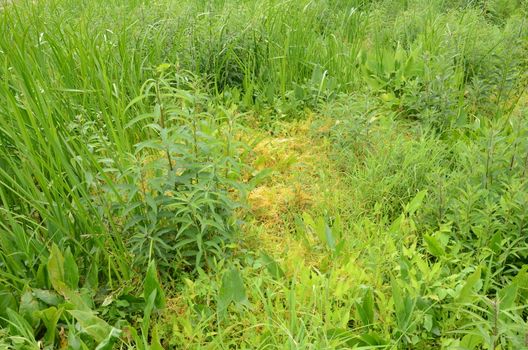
(415, 204)
(337, 228)
(471, 340)
(373, 339)
(403, 305)
(92, 277)
(434, 246)
(467, 290)
(508, 295)
(388, 61)
(396, 226)
(151, 283)
(260, 176)
(74, 341)
(47, 296)
(308, 220)
(7, 301)
(272, 266)
(147, 312)
(109, 341)
(353, 340)
(135, 337)
(18, 326)
(232, 290)
(42, 280)
(29, 306)
(399, 55)
(365, 308)
(163, 67)
(75, 298)
(71, 271)
(521, 279)
(50, 317)
(344, 336)
(56, 269)
(97, 328)
(320, 229)
(329, 237)
(410, 68)
(495, 243)
(428, 322)
(155, 343)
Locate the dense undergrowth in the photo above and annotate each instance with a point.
(269, 174)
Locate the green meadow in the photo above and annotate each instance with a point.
(264, 174)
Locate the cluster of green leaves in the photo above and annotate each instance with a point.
(177, 191)
(459, 245)
(57, 311)
(114, 163)
(444, 66)
(115, 172)
(387, 279)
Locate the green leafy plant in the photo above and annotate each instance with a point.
(185, 181)
(126, 151)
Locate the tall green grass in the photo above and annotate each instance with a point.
(120, 127)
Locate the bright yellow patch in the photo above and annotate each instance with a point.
(302, 180)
